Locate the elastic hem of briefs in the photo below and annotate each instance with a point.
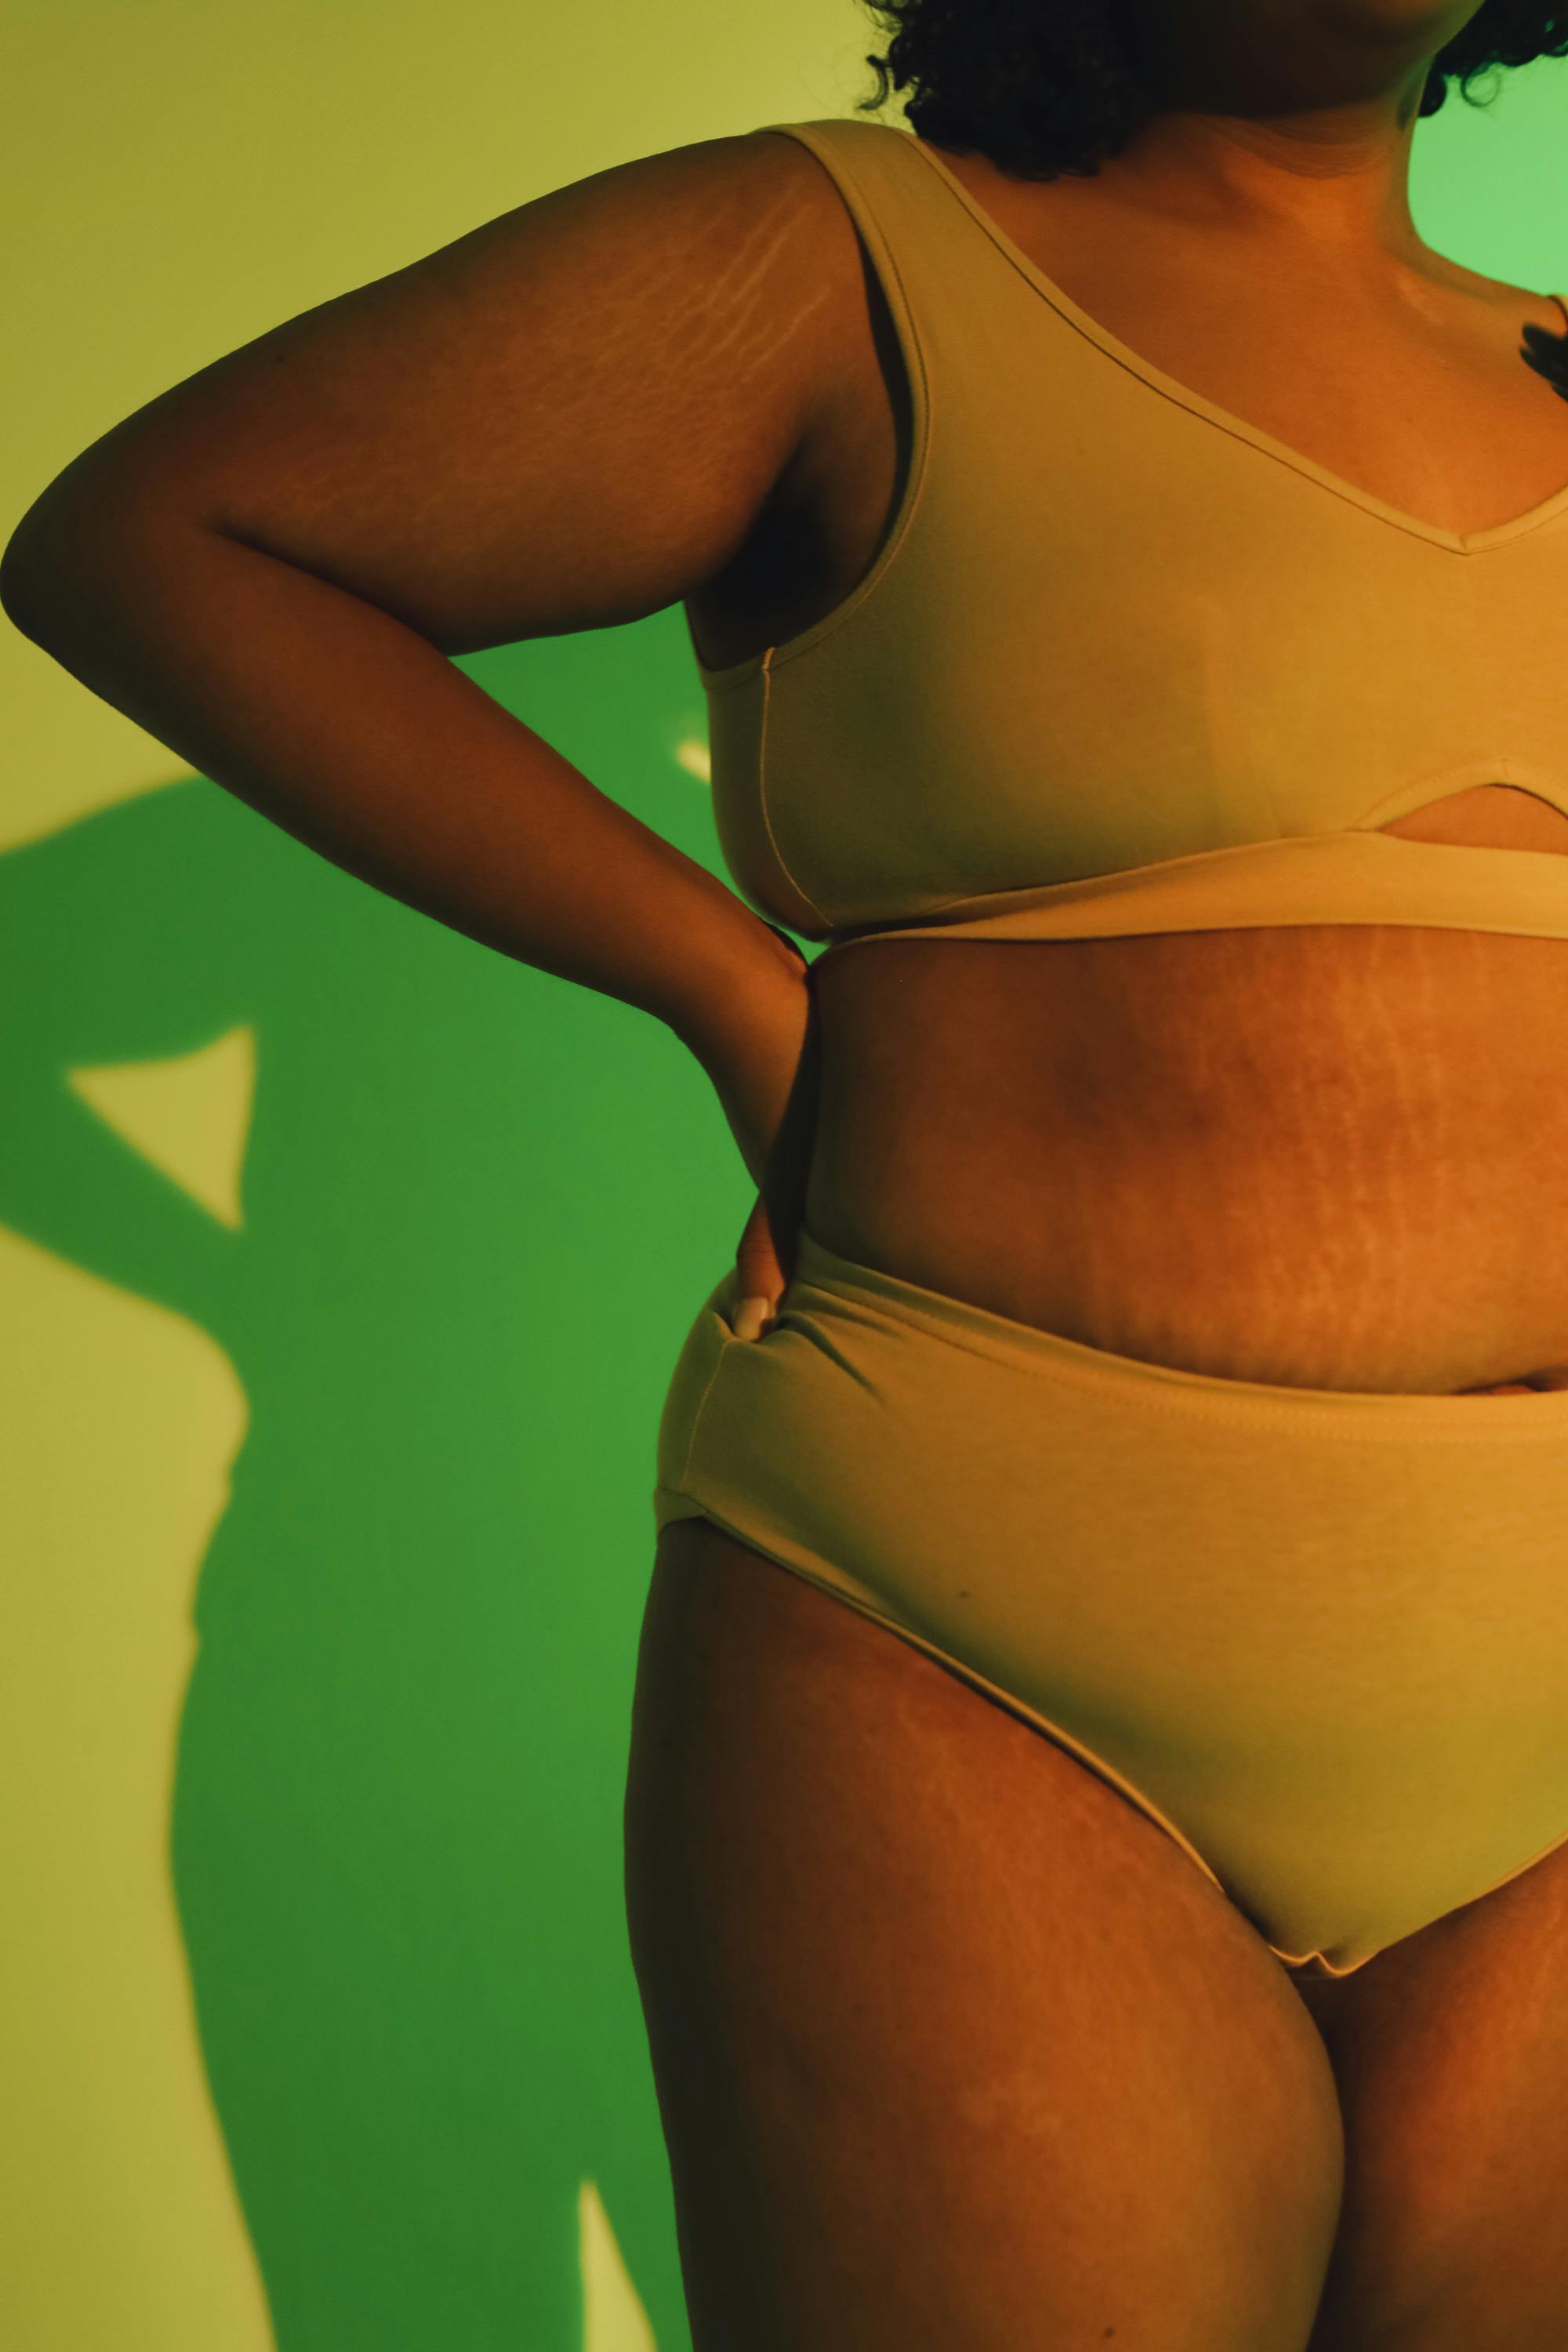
(864, 1607)
(1118, 1782)
(1327, 1413)
(1315, 1963)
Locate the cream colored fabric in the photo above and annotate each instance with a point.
(1125, 663)
(1319, 1637)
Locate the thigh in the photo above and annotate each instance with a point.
(1451, 2051)
(955, 2051)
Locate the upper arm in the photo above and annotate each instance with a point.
(565, 419)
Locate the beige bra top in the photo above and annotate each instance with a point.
(1125, 663)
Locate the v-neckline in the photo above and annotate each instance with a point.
(1460, 542)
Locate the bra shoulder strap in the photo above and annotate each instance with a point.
(934, 262)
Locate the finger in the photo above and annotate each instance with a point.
(757, 1257)
(751, 1318)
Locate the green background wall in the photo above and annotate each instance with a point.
(342, 1265)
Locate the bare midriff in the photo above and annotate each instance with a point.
(1331, 1156)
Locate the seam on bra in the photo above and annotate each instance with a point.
(766, 675)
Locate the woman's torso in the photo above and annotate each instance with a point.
(1323, 1154)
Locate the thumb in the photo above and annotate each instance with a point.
(759, 1277)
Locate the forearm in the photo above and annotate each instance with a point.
(358, 736)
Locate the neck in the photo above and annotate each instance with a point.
(1340, 180)
(1292, 137)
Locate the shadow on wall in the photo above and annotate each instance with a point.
(477, 1208)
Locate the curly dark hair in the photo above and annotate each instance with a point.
(1044, 86)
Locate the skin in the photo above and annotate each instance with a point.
(885, 1869)
(954, 2047)
(1281, 152)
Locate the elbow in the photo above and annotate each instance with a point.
(67, 536)
(36, 566)
(23, 599)
(22, 573)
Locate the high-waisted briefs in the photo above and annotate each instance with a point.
(1318, 1636)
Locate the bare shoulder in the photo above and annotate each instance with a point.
(1496, 296)
(566, 418)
